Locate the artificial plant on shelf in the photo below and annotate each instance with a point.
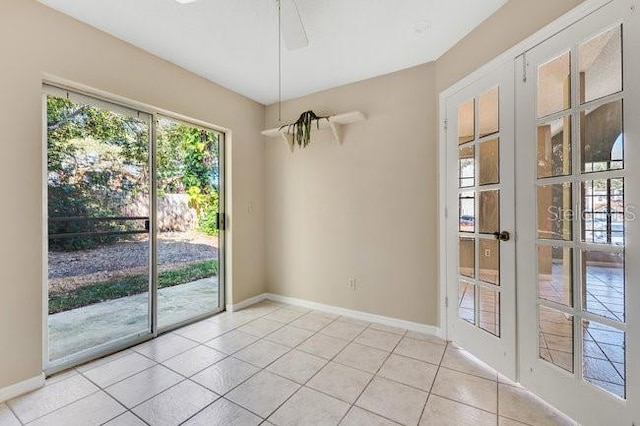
(301, 129)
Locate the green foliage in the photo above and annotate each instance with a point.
(191, 154)
(206, 206)
(208, 216)
(98, 162)
(128, 286)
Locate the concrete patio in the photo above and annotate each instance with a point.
(80, 329)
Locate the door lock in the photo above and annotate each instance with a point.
(502, 236)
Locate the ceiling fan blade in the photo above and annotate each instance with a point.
(292, 28)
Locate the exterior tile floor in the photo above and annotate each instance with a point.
(273, 364)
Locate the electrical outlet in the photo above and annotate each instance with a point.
(352, 283)
(487, 253)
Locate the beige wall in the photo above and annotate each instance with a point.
(364, 209)
(511, 24)
(35, 40)
(368, 209)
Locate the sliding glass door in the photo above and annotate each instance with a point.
(133, 205)
(98, 204)
(188, 207)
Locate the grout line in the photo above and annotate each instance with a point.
(161, 392)
(59, 408)
(465, 404)
(199, 371)
(138, 417)
(243, 407)
(374, 374)
(119, 403)
(14, 413)
(435, 377)
(304, 384)
(231, 356)
(519, 421)
(209, 405)
(121, 380)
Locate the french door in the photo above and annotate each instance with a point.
(480, 220)
(578, 185)
(133, 203)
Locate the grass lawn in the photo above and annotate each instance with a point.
(120, 287)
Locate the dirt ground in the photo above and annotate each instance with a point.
(72, 269)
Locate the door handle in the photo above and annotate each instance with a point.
(220, 222)
(502, 236)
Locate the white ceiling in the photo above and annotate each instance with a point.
(234, 42)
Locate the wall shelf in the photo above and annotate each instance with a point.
(334, 123)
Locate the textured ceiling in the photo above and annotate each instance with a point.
(234, 42)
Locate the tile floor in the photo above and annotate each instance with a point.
(273, 364)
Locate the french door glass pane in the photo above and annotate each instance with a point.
(601, 65)
(489, 162)
(602, 138)
(555, 274)
(489, 212)
(604, 360)
(556, 337)
(466, 122)
(489, 310)
(554, 85)
(603, 211)
(554, 148)
(98, 184)
(187, 208)
(467, 166)
(489, 108)
(489, 264)
(554, 212)
(467, 301)
(467, 213)
(604, 286)
(467, 251)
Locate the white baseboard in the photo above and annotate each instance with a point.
(246, 303)
(364, 316)
(21, 388)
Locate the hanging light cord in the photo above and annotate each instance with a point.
(279, 61)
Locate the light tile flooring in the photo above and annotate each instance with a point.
(273, 364)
